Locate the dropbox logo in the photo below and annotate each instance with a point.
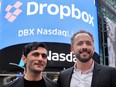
(13, 11)
(61, 11)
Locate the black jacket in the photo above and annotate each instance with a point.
(103, 76)
(20, 83)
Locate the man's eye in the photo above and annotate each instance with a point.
(44, 55)
(88, 43)
(80, 43)
(35, 54)
(39, 54)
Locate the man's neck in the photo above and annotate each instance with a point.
(84, 66)
(33, 77)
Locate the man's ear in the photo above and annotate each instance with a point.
(24, 59)
(93, 49)
(72, 49)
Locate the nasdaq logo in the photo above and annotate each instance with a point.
(57, 57)
(13, 11)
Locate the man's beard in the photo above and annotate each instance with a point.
(83, 59)
(37, 71)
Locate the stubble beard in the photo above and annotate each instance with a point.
(82, 59)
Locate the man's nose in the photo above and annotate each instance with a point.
(84, 45)
(40, 57)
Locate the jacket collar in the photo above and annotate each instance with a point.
(96, 75)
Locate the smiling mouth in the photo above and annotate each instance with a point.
(85, 52)
(38, 64)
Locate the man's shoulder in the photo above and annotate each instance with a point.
(11, 83)
(105, 67)
(50, 82)
(47, 79)
(67, 71)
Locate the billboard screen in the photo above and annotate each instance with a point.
(50, 21)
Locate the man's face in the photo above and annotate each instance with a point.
(36, 60)
(83, 47)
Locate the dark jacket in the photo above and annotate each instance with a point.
(103, 76)
(20, 83)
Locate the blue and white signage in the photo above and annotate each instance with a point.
(25, 21)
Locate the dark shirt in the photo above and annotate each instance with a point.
(40, 83)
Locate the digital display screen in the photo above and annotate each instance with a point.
(51, 21)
